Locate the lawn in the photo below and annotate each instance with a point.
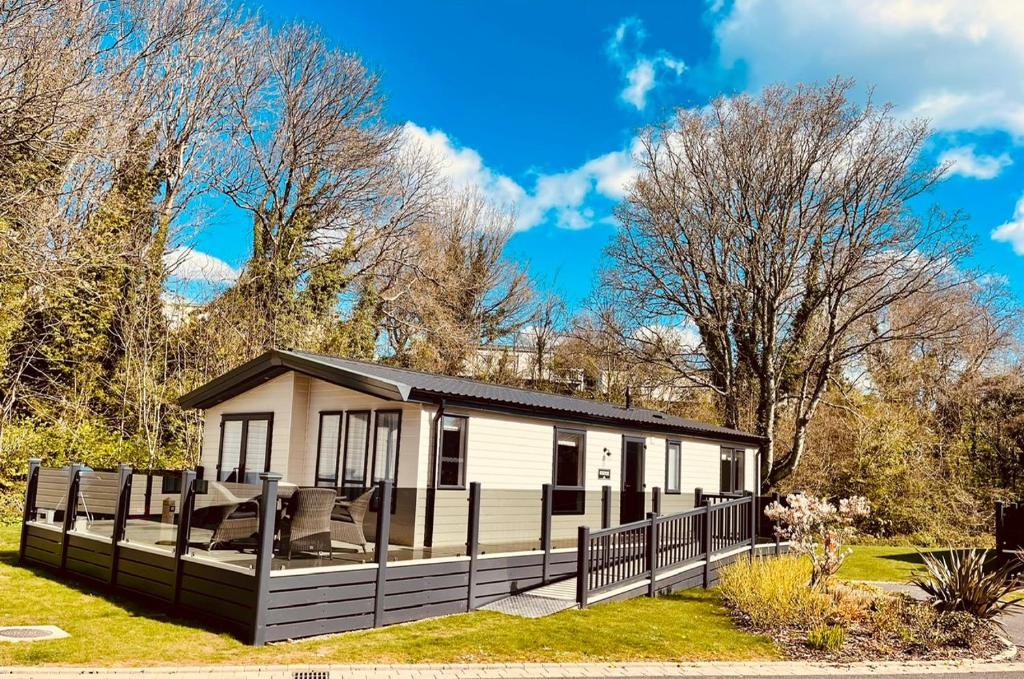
(882, 563)
(110, 630)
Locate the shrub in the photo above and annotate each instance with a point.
(818, 529)
(898, 618)
(829, 638)
(771, 592)
(959, 582)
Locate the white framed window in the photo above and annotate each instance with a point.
(673, 467)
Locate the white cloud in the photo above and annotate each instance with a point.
(560, 196)
(463, 166)
(956, 63)
(964, 161)
(641, 81)
(1013, 231)
(188, 265)
(640, 70)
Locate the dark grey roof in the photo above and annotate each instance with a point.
(413, 385)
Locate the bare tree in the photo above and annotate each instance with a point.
(459, 292)
(781, 229)
(328, 186)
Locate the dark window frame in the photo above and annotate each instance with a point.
(463, 452)
(243, 447)
(342, 421)
(569, 500)
(344, 482)
(398, 444)
(581, 464)
(733, 454)
(679, 466)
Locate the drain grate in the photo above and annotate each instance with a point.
(24, 633)
(312, 674)
(31, 633)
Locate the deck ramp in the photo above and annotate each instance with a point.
(538, 602)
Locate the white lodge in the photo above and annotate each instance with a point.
(331, 422)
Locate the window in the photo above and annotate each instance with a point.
(673, 467)
(385, 445)
(569, 458)
(328, 449)
(732, 470)
(568, 496)
(244, 447)
(451, 472)
(357, 444)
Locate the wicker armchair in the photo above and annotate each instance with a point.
(347, 520)
(230, 517)
(306, 526)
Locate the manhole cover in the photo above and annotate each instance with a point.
(24, 633)
(32, 633)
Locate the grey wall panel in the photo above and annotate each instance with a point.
(319, 595)
(146, 573)
(328, 579)
(234, 615)
(313, 628)
(421, 612)
(42, 546)
(406, 585)
(333, 609)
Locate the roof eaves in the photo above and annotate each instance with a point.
(509, 407)
(276, 362)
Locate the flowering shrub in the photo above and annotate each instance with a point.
(819, 529)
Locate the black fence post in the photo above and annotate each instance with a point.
(70, 511)
(606, 506)
(31, 486)
(652, 552)
(473, 542)
(999, 538)
(124, 499)
(185, 502)
(582, 565)
(545, 530)
(656, 500)
(264, 555)
(380, 550)
(706, 536)
(698, 497)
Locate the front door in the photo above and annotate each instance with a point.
(631, 505)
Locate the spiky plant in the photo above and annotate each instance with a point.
(960, 582)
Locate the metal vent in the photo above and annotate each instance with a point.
(312, 674)
(31, 633)
(23, 633)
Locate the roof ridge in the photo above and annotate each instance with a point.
(462, 378)
(472, 380)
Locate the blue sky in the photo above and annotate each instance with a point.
(537, 102)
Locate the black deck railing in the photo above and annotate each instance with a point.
(615, 558)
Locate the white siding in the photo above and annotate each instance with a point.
(273, 396)
(324, 396)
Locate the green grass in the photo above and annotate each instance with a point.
(883, 563)
(112, 631)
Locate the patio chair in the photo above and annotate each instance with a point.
(347, 520)
(230, 518)
(306, 526)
